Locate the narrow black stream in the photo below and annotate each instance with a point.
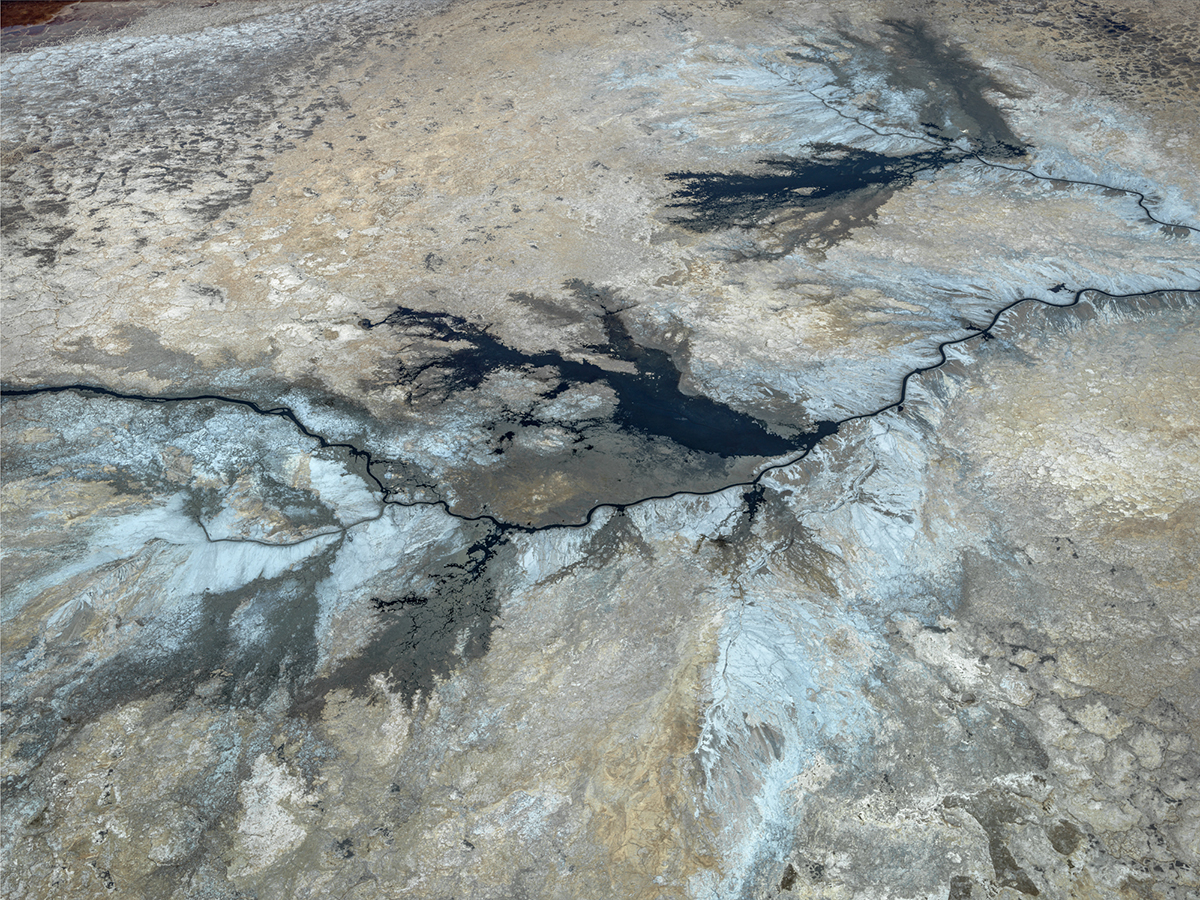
(805, 442)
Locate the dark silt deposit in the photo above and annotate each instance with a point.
(956, 104)
(424, 633)
(649, 401)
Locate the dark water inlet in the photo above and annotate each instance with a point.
(830, 176)
(649, 400)
(715, 200)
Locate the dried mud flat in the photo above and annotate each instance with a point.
(596, 449)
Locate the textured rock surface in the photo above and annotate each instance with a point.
(444, 514)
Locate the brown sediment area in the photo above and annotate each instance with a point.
(15, 13)
(46, 24)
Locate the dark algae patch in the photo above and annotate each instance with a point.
(789, 878)
(1064, 837)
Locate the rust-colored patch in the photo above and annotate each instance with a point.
(29, 12)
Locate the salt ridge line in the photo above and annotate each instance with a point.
(826, 429)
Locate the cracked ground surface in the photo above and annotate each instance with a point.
(381, 609)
